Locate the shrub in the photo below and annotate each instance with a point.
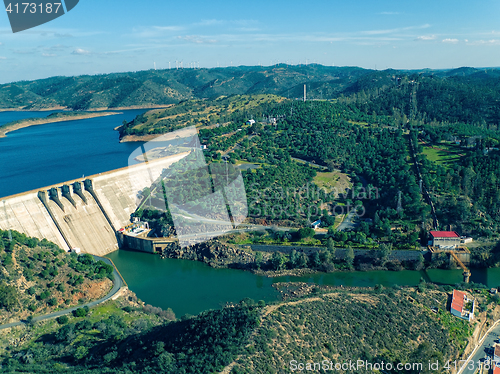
(44, 295)
(81, 312)
(62, 320)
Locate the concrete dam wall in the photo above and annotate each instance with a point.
(84, 213)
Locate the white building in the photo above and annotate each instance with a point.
(458, 302)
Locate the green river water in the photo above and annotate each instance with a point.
(192, 287)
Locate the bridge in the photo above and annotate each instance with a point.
(84, 213)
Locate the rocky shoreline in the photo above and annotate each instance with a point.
(212, 253)
(221, 255)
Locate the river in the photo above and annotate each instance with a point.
(42, 155)
(191, 287)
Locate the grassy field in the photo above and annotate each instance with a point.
(329, 181)
(444, 153)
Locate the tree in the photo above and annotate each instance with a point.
(62, 320)
(278, 261)
(81, 312)
(306, 232)
(8, 297)
(419, 263)
(349, 257)
(258, 259)
(81, 352)
(294, 259)
(302, 260)
(330, 245)
(384, 252)
(315, 260)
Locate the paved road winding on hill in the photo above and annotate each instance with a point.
(117, 285)
(473, 362)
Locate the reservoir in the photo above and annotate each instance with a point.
(43, 155)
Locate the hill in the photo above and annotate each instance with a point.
(37, 278)
(391, 325)
(163, 87)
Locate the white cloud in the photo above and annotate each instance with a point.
(451, 41)
(49, 55)
(389, 13)
(154, 31)
(215, 22)
(391, 31)
(426, 37)
(24, 51)
(168, 28)
(57, 47)
(3, 58)
(197, 39)
(485, 42)
(80, 51)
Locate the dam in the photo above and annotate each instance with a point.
(84, 213)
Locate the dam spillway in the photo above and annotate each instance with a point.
(83, 213)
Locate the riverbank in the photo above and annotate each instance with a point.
(49, 109)
(222, 255)
(61, 117)
(138, 138)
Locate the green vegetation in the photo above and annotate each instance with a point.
(129, 338)
(463, 185)
(378, 325)
(39, 277)
(393, 325)
(444, 154)
(208, 114)
(162, 87)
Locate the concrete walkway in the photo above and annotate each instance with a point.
(118, 284)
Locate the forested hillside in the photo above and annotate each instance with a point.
(391, 325)
(367, 140)
(162, 87)
(37, 277)
(463, 94)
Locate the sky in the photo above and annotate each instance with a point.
(107, 36)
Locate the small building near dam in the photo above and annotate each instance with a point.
(444, 239)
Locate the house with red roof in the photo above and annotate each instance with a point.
(462, 306)
(444, 239)
(496, 354)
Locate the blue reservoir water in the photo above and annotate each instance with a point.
(43, 155)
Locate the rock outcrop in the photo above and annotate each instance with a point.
(213, 253)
